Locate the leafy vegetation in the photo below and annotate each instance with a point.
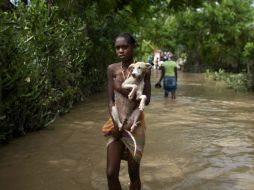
(238, 82)
(213, 34)
(44, 68)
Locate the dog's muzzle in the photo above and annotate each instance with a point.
(134, 75)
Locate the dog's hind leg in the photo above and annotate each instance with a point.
(133, 120)
(142, 102)
(116, 118)
(141, 96)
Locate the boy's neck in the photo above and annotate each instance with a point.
(126, 64)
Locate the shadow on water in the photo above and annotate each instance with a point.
(202, 140)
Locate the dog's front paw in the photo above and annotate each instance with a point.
(138, 95)
(141, 107)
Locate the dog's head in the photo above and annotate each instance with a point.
(139, 69)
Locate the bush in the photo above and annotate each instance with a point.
(43, 67)
(238, 82)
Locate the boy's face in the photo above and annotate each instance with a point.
(123, 49)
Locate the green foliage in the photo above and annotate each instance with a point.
(44, 68)
(239, 82)
(48, 62)
(248, 54)
(181, 4)
(249, 50)
(217, 75)
(214, 36)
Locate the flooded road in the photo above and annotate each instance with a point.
(203, 140)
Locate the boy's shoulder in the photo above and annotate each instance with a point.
(113, 65)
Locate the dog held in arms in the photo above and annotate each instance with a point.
(136, 84)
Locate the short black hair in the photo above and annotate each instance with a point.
(128, 36)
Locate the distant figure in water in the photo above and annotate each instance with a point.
(169, 75)
(119, 144)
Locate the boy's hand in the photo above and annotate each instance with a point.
(116, 133)
(158, 85)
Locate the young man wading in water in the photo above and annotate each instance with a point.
(120, 146)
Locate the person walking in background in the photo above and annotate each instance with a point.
(169, 75)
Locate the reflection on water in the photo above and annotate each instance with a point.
(202, 140)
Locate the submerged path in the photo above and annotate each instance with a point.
(203, 140)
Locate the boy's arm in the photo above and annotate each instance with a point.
(175, 69)
(110, 90)
(111, 101)
(162, 74)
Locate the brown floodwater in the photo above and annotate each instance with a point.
(203, 140)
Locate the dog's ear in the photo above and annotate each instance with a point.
(148, 66)
(131, 66)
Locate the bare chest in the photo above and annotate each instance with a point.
(124, 106)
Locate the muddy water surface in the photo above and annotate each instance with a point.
(203, 140)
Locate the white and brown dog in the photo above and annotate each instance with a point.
(136, 83)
